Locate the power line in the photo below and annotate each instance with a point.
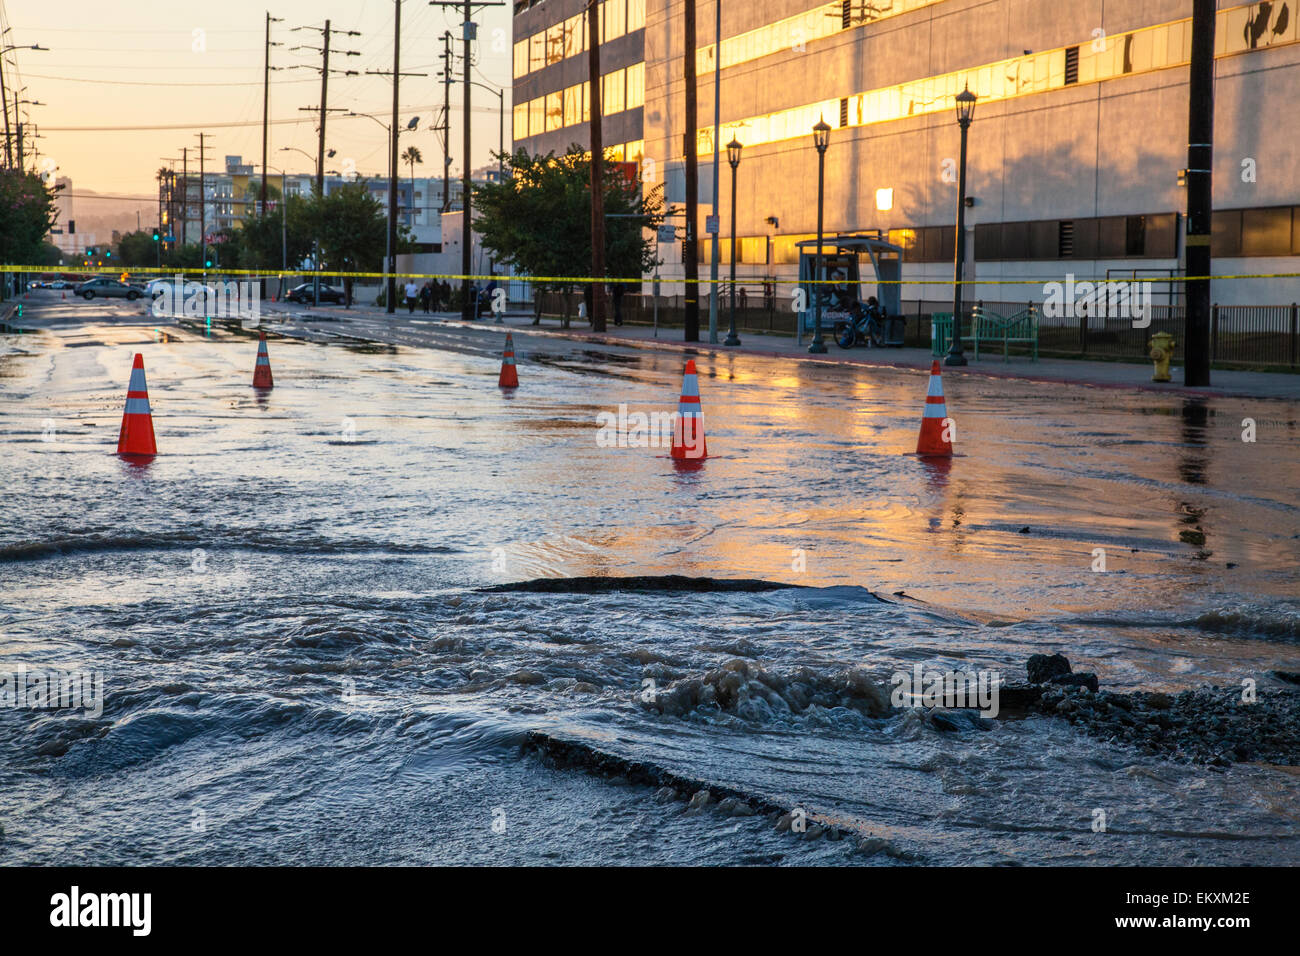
(233, 124)
(83, 79)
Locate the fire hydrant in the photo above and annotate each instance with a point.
(1162, 350)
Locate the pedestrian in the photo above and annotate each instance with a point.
(426, 294)
(412, 291)
(446, 295)
(616, 293)
(473, 300)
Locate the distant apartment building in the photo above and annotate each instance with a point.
(1079, 133)
(232, 195)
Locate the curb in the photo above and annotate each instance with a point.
(703, 348)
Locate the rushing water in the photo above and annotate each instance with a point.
(301, 666)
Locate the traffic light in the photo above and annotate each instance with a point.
(108, 253)
(208, 264)
(155, 235)
(91, 252)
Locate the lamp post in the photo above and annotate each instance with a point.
(390, 256)
(965, 114)
(821, 139)
(501, 123)
(315, 240)
(4, 97)
(284, 228)
(733, 158)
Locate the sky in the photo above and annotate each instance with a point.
(117, 71)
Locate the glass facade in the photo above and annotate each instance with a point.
(1239, 30)
(569, 38)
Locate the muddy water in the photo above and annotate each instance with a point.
(300, 666)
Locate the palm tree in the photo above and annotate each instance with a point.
(411, 156)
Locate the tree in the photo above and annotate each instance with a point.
(353, 231)
(539, 219)
(27, 213)
(138, 249)
(411, 156)
(269, 241)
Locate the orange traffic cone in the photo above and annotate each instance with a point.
(688, 431)
(934, 441)
(262, 370)
(136, 437)
(509, 373)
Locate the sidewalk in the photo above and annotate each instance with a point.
(1272, 385)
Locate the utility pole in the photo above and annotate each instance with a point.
(690, 252)
(1200, 196)
(4, 102)
(390, 287)
(717, 205)
(320, 143)
(390, 297)
(446, 122)
(266, 103)
(324, 93)
(203, 200)
(185, 194)
(469, 30)
(597, 170)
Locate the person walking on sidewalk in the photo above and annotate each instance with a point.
(426, 294)
(412, 290)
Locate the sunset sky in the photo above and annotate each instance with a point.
(127, 85)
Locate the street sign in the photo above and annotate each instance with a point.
(711, 225)
(667, 233)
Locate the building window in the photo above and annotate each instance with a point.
(635, 15)
(635, 86)
(536, 51)
(575, 35)
(612, 92)
(613, 19)
(555, 44)
(521, 58)
(536, 116)
(554, 111)
(520, 120)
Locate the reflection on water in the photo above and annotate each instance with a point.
(356, 557)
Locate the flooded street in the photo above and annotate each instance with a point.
(301, 664)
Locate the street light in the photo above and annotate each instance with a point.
(965, 114)
(4, 96)
(733, 157)
(284, 227)
(315, 240)
(501, 124)
(821, 139)
(390, 259)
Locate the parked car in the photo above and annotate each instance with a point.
(109, 289)
(304, 294)
(61, 284)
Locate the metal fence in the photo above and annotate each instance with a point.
(1259, 336)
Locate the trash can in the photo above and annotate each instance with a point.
(895, 330)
